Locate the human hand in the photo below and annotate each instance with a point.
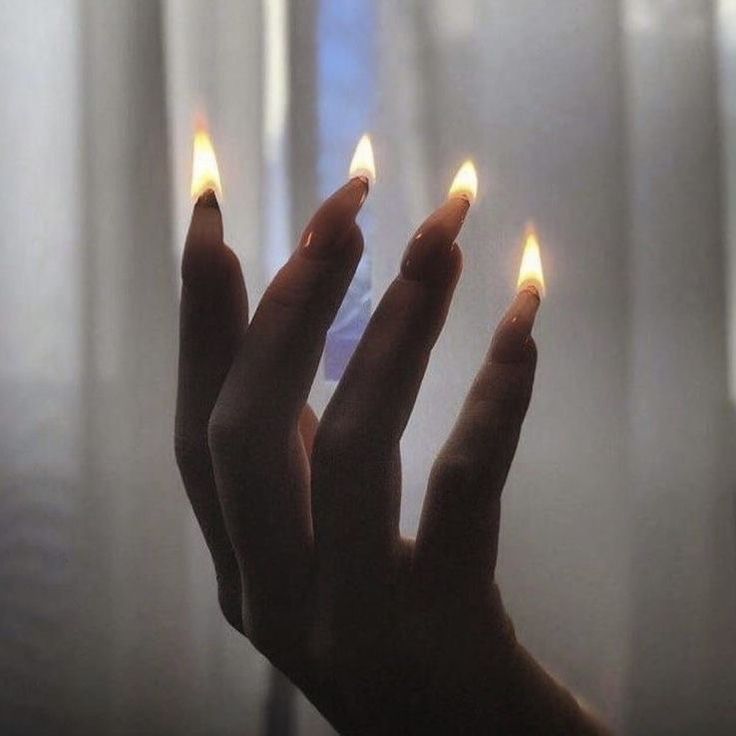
(383, 634)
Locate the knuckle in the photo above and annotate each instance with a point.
(505, 399)
(245, 426)
(340, 442)
(455, 471)
(225, 434)
(501, 422)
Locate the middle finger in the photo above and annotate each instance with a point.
(356, 483)
(260, 461)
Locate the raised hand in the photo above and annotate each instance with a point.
(383, 634)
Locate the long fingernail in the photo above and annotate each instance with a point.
(431, 255)
(512, 342)
(208, 198)
(323, 237)
(204, 237)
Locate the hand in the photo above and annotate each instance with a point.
(383, 635)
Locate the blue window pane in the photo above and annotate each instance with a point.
(346, 96)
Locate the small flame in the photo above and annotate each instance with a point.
(363, 163)
(530, 273)
(205, 173)
(465, 183)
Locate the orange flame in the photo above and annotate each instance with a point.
(363, 163)
(465, 183)
(531, 273)
(205, 172)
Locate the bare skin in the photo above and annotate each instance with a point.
(384, 635)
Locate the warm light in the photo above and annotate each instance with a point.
(205, 174)
(363, 163)
(465, 183)
(530, 273)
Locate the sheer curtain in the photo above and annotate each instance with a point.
(608, 123)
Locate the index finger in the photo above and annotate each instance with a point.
(213, 316)
(458, 533)
(259, 455)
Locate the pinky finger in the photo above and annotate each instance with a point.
(458, 533)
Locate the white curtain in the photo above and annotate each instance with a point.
(611, 124)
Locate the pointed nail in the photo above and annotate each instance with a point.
(323, 236)
(512, 341)
(431, 255)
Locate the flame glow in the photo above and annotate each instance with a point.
(205, 173)
(363, 163)
(465, 183)
(530, 273)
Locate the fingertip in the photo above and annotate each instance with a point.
(512, 341)
(205, 255)
(333, 220)
(206, 223)
(345, 252)
(432, 255)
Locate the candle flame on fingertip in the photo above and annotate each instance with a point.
(465, 183)
(531, 273)
(205, 172)
(363, 163)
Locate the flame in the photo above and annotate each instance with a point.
(465, 183)
(530, 273)
(205, 173)
(363, 163)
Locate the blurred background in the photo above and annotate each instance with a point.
(610, 123)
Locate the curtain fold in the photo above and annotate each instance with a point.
(683, 577)
(134, 611)
(40, 366)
